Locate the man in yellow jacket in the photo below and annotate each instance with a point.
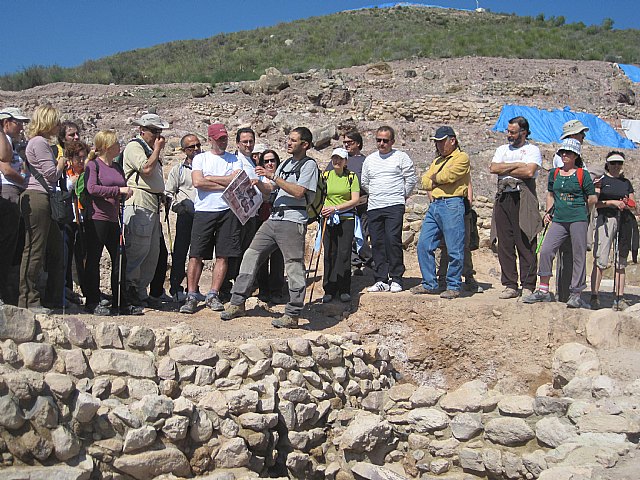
(448, 181)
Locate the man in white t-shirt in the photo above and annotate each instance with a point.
(516, 218)
(214, 224)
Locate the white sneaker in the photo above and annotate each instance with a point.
(379, 287)
(395, 287)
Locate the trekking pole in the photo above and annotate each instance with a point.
(166, 219)
(616, 249)
(324, 226)
(120, 253)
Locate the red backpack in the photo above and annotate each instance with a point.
(579, 174)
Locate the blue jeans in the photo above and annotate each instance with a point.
(445, 218)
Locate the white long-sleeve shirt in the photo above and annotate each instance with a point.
(389, 178)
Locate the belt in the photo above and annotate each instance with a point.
(446, 198)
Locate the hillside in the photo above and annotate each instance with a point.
(346, 39)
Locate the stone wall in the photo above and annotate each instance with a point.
(120, 403)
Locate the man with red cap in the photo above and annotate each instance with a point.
(214, 224)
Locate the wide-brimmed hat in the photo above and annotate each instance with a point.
(151, 120)
(340, 152)
(570, 145)
(13, 112)
(442, 133)
(572, 127)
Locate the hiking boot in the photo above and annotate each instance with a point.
(285, 321)
(233, 311)
(102, 310)
(395, 287)
(595, 302)
(472, 285)
(576, 302)
(129, 310)
(213, 302)
(378, 287)
(450, 294)
(327, 298)
(190, 304)
(345, 297)
(620, 305)
(526, 292)
(421, 290)
(508, 293)
(537, 296)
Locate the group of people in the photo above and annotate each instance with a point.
(118, 196)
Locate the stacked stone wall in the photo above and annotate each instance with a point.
(79, 402)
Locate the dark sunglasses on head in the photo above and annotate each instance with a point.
(383, 140)
(195, 145)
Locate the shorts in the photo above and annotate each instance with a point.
(215, 229)
(606, 231)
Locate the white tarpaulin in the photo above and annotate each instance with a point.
(631, 129)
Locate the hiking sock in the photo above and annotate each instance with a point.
(544, 287)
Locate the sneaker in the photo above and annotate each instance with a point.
(575, 301)
(472, 285)
(190, 304)
(450, 294)
(357, 272)
(102, 310)
(508, 293)
(345, 297)
(129, 310)
(285, 321)
(595, 302)
(200, 297)
(420, 290)
(213, 302)
(327, 298)
(233, 311)
(379, 287)
(526, 292)
(620, 305)
(395, 287)
(537, 296)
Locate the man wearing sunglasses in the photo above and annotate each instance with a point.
(389, 177)
(179, 189)
(143, 171)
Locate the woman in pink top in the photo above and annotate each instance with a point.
(107, 187)
(42, 234)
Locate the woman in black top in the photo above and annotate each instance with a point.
(616, 205)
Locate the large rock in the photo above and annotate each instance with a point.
(52, 472)
(602, 423)
(150, 464)
(85, 408)
(66, 444)
(75, 363)
(467, 398)
(138, 438)
(471, 459)
(516, 405)
(553, 432)
(568, 359)
(141, 338)
(108, 336)
(272, 81)
(242, 401)
(233, 454)
(118, 362)
(44, 413)
(176, 427)
(60, 385)
(375, 472)
(465, 426)
(77, 332)
(508, 431)
(364, 432)
(36, 356)
(152, 407)
(258, 422)
(426, 420)
(425, 396)
(17, 324)
(193, 354)
(11, 416)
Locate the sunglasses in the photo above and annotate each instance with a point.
(195, 145)
(269, 160)
(383, 140)
(155, 131)
(618, 163)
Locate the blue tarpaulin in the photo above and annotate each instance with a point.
(546, 126)
(631, 71)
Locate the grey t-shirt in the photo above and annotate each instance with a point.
(308, 179)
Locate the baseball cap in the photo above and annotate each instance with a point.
(259, 148)
(443, 132)
(570, 145)
(572, 127)
(13, 112)
(151, 120)
(340, 152)
(217, 130)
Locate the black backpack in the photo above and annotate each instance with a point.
(315, 203)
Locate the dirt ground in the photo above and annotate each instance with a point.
(434, 341)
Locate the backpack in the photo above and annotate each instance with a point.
(315, 204)
(579, 174)
(119, 160)
(350, 176)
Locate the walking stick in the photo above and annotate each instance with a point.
(616, 249)
(324, 226)
(166, 219)
(121, 246)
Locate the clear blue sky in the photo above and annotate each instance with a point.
(69, 32)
